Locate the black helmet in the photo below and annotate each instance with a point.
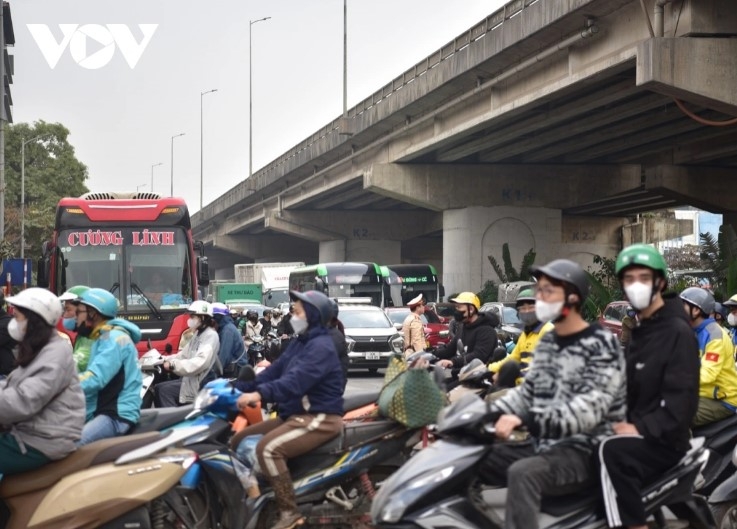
(267, 312)
(334, 306)
(251, 314)
(318, 300)
(722, 310)
(565, 271)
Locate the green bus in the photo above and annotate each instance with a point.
(403, 282)
(341, 280)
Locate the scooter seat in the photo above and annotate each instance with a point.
(355, 433)
(157, 419)
(710, 430)
(357, 400)
(561, 505)
(103, 451)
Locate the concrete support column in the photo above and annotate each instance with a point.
(381, 252)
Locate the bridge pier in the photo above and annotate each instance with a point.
(381, 251)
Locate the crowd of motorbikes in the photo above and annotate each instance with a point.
(176, 469)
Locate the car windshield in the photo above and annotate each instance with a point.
(374, 319)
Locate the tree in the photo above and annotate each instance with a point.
(52, 171)
(509, 274)
(603, 288)
(720, 256)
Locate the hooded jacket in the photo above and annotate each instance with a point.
(479, 340)
(112, 382)
(42, 403)
(231, 348)
(194, 362)
(663, 376)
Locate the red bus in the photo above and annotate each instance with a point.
(136, 245)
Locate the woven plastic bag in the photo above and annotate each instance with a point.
(411, 396)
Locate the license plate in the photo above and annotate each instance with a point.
(373, 356)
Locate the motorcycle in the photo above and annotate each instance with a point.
(434, 488)
(131, 481)
(256, 350)
(723, 500)
(720, 440)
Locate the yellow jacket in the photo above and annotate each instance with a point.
(718, 374)
(524, 349)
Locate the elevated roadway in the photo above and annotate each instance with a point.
(549, 125)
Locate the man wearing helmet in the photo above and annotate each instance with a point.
(507, 372)
(306, 382)
(193, 363)
(662, 388)
(718, 373)
(478, 334)
(232, 351)
(74, 319)
(112, 381)
(573, 391)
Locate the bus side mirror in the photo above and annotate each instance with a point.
(203, 271)
(442, 292)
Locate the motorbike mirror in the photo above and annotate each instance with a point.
(246, 374)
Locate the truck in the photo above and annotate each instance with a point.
(273, 278)
(237, 292)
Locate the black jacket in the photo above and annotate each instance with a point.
(479, 339)
(663, 376)
(7, 358)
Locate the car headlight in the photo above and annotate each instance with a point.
(394, 509)
(397, 344)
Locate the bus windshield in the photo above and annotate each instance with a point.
(143, 267)
(405, 282)
(340, 280)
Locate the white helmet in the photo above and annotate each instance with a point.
(40, 301)
(201, 307)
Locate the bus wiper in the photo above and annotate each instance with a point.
(148, 301)
(115, 287)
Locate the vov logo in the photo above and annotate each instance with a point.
(107, 38)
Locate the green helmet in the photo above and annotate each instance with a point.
(525, 296)
(641, 255)
(73, 293)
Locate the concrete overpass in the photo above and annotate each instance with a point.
(548, 125)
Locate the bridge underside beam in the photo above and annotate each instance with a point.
(441, 187)
(262, 246)
(709, 188)
(702, 71)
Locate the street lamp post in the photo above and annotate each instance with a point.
(152, 174)
(250, 96)
(172, 161)
(23, 191)
(202, 142)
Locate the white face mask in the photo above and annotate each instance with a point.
(193, 322)
(732, 319)
(548, 311)
(17, 329)
(298, 324)
(639, 295)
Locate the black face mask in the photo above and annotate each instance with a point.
(83, 330)
(458, 315)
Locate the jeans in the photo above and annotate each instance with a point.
(102, 427)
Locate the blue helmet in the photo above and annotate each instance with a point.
(101, 300)
(318, 300)
(220, 308)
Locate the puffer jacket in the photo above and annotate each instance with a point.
(194, 362)
(479, 340)
(42, 403)
(112, 381)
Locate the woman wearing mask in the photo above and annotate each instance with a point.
(42, 407)
(306, 382)
(193, 363)
(74, 319)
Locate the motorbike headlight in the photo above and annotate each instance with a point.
(443, 333)
(394, 509)
(205, 398)
(397, 344)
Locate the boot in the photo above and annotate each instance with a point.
(289, 515)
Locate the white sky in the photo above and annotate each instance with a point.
(122, 119)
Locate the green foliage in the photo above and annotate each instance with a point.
(720, 257)
(490, 292)
(52, 171)
(604, 288)
(509, 274)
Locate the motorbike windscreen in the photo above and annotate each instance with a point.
(142, 267)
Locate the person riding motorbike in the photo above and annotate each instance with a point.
(306, 382)
(662, 389)
(112, 381)
(193, 363)
(573, 392)
(718, 373)
(265, 322)
(477, 333)
(73, 320)
(42, 411)
(509, 370)
(232, 350)
(252, 328)
(337, 333)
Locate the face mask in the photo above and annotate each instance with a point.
(16, 329)
(69, 323)
(298, 324)
(732, 319)
(83, 330)
(639, 294)
(548, 311)
(193, 322)
(458, 315)
(528, 318)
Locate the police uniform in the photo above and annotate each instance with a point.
(413, 330)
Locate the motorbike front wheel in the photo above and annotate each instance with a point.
(183, 507)
(725, 515)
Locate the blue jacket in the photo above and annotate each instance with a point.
(231, 342)
(112, 382)
(306, 378)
